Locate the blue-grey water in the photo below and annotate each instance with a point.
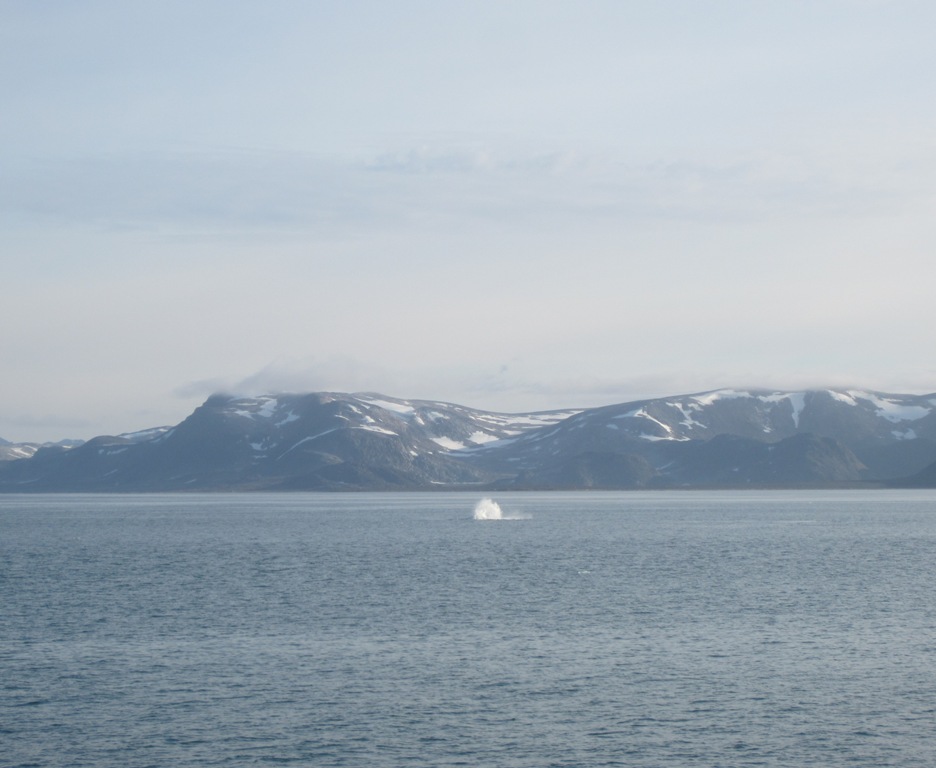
(601, 629)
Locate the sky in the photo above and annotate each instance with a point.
(514, 205)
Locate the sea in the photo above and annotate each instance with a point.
(529, 630)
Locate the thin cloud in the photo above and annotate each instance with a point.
(298, 375)
(283, 191)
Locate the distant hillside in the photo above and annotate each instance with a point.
(336, 441)
(13, 451)
(925, 478)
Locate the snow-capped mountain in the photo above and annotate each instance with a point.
(892, 435)
(332, 441)
(12, 451)
(768, 416)
(328, 441)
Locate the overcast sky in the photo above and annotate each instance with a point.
(514, 205)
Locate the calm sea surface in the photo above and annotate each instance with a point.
(599, 629)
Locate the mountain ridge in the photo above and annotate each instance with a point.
(369, 441)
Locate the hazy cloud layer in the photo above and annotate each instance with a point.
(516, 206)
(298, 192)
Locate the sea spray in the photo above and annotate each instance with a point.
(488, 509)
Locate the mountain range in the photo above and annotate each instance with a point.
(331, 441)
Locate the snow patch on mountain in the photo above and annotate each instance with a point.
(21, 451)
(306, 440)
(892, 410)
(448, 443)
(720, 394)
(480, 438)
(145, 434)
(377, 429)
(256, 407)
(110, 450)
(403, 408)
(666, 427)
(164, 435)
(842, 397)
(641, 413)
(798, 401)
(687, 409)
(534, 420)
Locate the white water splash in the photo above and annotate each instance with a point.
(488, 509)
